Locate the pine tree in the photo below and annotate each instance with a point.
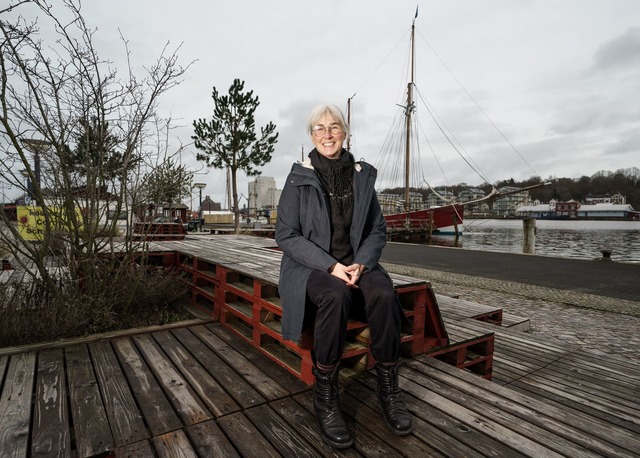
(229, 139)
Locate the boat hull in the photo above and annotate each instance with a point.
(437, 220)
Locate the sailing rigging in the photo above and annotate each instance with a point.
(407, 215)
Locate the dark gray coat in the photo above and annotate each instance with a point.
(303, 232)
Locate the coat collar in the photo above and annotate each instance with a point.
(307, 164)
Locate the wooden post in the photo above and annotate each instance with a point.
(455, 226)
(529, 242)
(430, 225)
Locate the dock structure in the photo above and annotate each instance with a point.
(207, 388)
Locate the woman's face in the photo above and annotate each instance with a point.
(328, 136)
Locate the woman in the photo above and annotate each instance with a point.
(331, 231)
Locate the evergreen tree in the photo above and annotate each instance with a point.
(229, 139)
(167, 184)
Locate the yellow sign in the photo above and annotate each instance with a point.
(31, 221)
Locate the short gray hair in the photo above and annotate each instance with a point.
(331, 110)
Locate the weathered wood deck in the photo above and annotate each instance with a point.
(203, 390)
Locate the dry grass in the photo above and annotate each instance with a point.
(148, 297)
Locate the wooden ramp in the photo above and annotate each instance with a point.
(203, 391)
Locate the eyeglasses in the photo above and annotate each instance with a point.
(320, 131)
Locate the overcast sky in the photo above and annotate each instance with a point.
(559, 78)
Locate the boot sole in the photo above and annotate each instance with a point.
(335, 444)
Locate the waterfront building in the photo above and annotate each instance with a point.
(616, 198)
(480, 209)
(574, 210)
(508, 204)
(440, 197)
(622, 211)
(394, 203)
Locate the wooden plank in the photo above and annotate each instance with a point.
(174, 444)
(141, 449)
(559, 400)
(245, 437)
(370, 418)
(292, 384)
(590, 386)
(15, 405)
(125, 419)
(437, 428)
(260, 381)
(156, 408)
(209, 440)
(241, 391)
(364, 441)
(218, 401)
(620, 411)
(183, 398)
(305, 425)
(279, 433)
(50, 431)
(91, 427)
(585, 432)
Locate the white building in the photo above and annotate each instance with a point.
(263, 193)
(605, 211)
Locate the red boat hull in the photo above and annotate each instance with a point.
(436, 220)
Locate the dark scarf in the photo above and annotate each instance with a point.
(336, 177)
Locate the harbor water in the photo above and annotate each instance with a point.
(561, 238)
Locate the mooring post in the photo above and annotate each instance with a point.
(529, 242)
(455, 226)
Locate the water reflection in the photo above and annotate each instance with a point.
(573, 239)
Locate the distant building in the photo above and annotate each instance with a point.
(508, 204)
(607, 211)
(618, 198)
(394, 203)
(440, 197)
(469, 194)
(478, 209)
(574, 210)
(263, 194)
(209, 206)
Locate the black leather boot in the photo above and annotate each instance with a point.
(394, 411)
(327, 406)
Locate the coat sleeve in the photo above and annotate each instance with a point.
(289, 236)
(374, 237)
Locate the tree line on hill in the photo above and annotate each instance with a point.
(602, 183)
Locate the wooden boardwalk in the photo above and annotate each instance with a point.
(201, 389)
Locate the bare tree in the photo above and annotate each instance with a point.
(80, 133)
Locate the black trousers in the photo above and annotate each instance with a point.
(333, 303)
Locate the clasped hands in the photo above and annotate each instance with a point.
(349, 274)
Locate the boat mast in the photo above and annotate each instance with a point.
(408, 110)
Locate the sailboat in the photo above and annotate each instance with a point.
(407, 216)
(405, 219)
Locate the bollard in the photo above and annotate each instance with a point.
(529, 242)
(606, 254)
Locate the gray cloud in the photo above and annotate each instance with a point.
(621, 52)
